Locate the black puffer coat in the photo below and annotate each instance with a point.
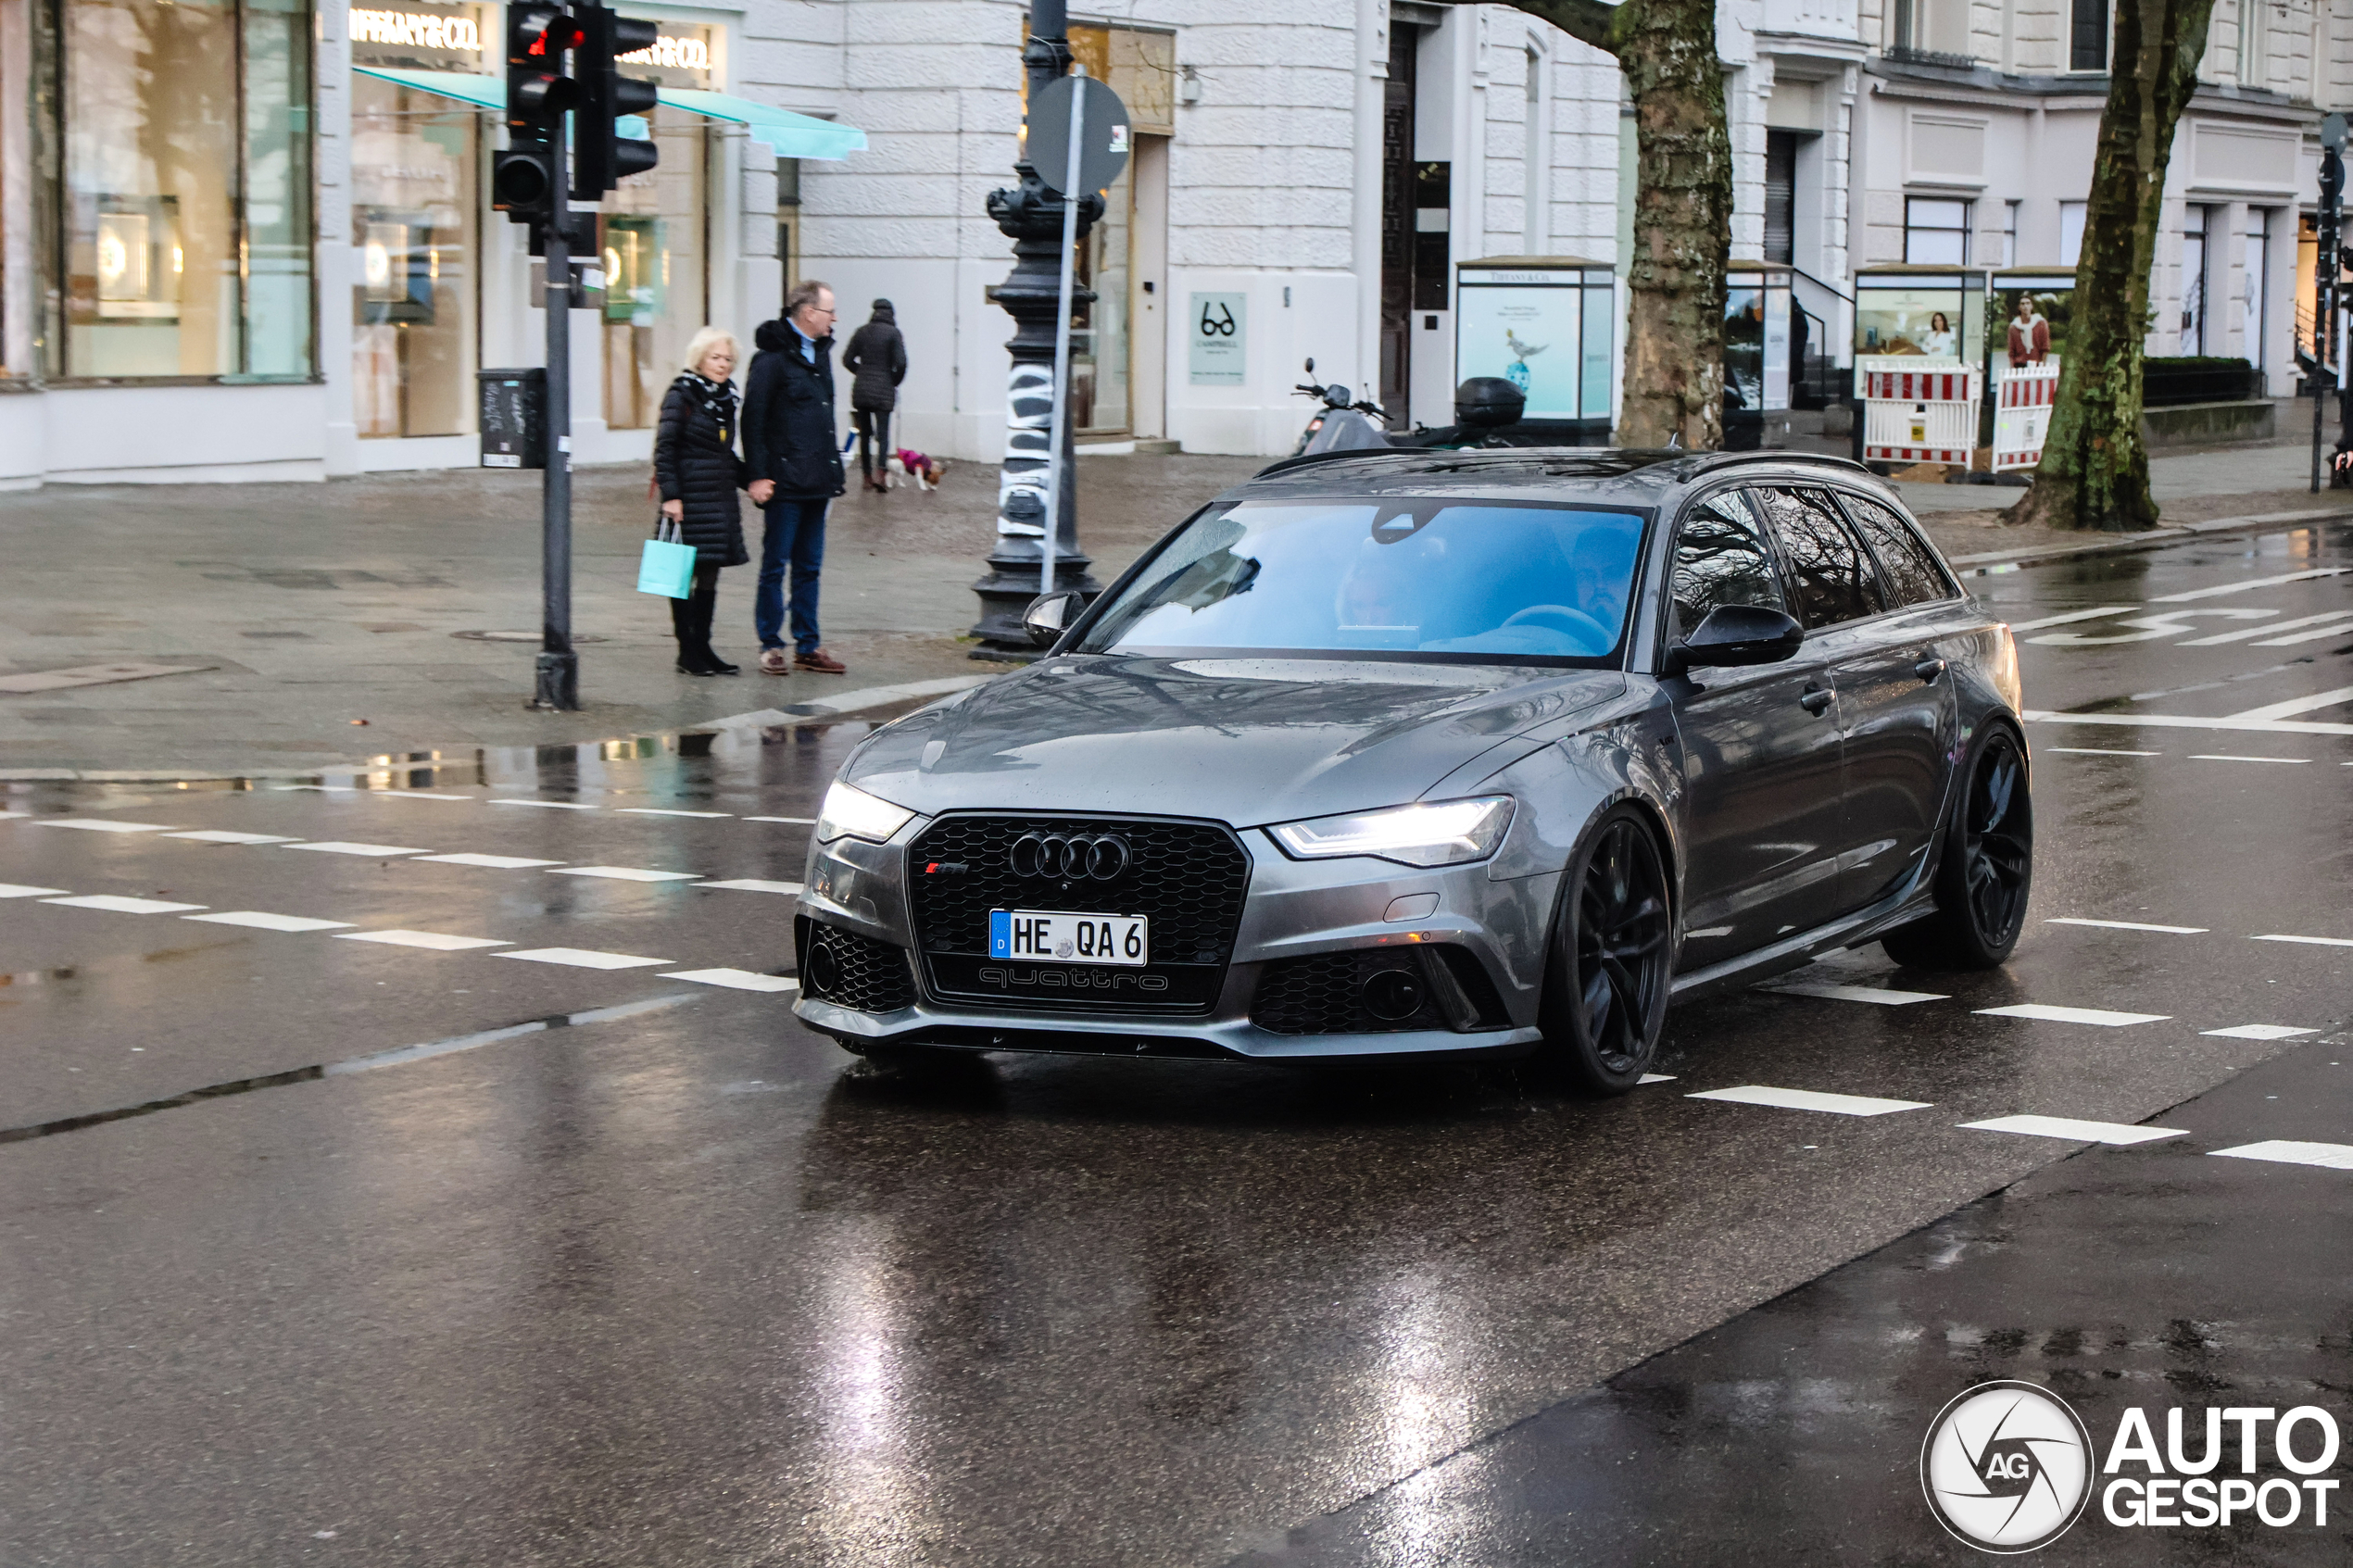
(789, 417)
(695, 462)
(876, 360)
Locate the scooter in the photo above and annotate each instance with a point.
(1341, 425)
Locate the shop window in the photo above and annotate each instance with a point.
(2071, 233)
(657, 295)
(1936, 231)
(185, 189)
(415, 161)
(2087, 35)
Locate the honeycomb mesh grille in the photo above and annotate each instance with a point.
(865, 975)
(1324, 994)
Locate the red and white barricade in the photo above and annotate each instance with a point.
(2022, 399)
(1919, 412)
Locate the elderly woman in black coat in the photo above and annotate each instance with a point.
(698, 473)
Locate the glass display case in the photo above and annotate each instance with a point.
(1546, 325)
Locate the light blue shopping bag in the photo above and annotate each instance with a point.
(666, 567)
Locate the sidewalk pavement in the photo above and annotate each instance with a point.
(298, 610)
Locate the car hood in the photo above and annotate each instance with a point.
(1245, 741)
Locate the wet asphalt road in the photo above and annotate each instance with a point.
(676, 1282)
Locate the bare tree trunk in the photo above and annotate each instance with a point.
(1683, 210)
(2094, 472)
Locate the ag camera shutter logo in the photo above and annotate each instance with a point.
(2007, 1467)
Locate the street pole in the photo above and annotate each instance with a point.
(1036, 491)
(2325, 370)
(1061, 334)
(559, 671)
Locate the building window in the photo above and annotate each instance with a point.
(2087, 35)
(185, 189)
(1936, 231)
(2193, 259)
(415, 159)
(2010, 234)
(1781, 195)
(2071, 233)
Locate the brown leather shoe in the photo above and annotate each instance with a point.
(821, 662)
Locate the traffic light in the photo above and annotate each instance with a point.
(522, 178)
(606, 157)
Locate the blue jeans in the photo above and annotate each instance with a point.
(795, 534)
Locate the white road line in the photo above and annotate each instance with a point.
(2097, 751)
(17, 890)
(2268, 630)
(2314, 635)
(798, 821)
(1656, 1078)
(2295, 706)
(263, 922)
(222, 835)
(2257, 1032)
(2081, 1132)
(2307, 941)
(123, 906)
(665, 811)
(491, 1036)
(2227, 757)
(338, 847)
(1809, 1100)
(13, 816)
(735, 979)
(434, 941)
(323, 790)
(753, 884)
(2251, 585)
(2330, 1156)
(551, 805)
(2129, 925)
(495, 863)
(1854, 993)
(2074, 1015)
(2072, 615)
(625, 873)
(583, 958)
(102, 824)
(415, 795)
(2183, 721)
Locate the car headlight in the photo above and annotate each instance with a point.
(1447, 833)
(853, 813)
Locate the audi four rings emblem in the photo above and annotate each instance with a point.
(1073, 858)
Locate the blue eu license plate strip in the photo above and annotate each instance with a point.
(1059, 936)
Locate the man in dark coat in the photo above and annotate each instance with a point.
(876, 360)
(795, 471)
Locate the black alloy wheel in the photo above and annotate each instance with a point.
(1613, 955)
(1986, 872)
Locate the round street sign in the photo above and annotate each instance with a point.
(1103, 134)
(2332, 132)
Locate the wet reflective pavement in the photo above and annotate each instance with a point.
(688, 1284)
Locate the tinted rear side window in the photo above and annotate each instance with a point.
(1912, 574)
(1721, 558)
(1830, 578)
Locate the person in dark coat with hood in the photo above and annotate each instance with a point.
(698, 473)
(876, 360)
(795, 471)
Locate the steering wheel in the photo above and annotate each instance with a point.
(1570, 622)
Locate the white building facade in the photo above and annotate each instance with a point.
(275, 259)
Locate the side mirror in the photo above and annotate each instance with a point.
(1310, 364)
(1736, 635)
(1049, 615)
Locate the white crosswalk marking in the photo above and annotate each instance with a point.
(338, 847)
(1809, 1100)
(103, 824)
(2247, 633)
(2295, 706)
(495, 863)
(2229, 757)
(2250, 584)
(2073, 1015)
(2081, 1132)
(753, 884)
(2330, 1156)
(1854, 993)
(2127, 925)
(581, 958)
(2070, 616)
(551, 805)
(735, 979)
(625, 873)
(122, 905)
(260, 921)
(2309, 941)
(222, 835)
(17, 890)
(664, 812)
(2257, 1032)
(434, 941)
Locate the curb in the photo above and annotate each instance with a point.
(794, 717)
(1988, 562)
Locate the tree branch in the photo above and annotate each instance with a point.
(1588, 21)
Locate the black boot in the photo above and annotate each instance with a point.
(706, 603)
(682, 626)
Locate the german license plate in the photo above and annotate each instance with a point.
(1057, 936)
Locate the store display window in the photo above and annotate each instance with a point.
(185, 189)
(415, 224)
(654, 234)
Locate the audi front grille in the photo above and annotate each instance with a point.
(1185, 878)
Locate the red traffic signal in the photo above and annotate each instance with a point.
(607, 157)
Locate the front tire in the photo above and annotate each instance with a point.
(1986, 872)
(1611, 960)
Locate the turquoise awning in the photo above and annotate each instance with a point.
(786, 134)
(783, 132)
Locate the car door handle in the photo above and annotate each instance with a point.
(1815, 700)
(1929, 668)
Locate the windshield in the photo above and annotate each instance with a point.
(1412, 577)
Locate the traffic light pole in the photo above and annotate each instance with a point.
(559, 684)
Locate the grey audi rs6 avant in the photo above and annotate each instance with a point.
(1417, 754)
